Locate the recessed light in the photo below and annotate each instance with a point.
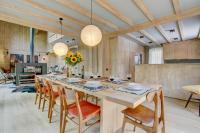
(171, 30)
(141, 36)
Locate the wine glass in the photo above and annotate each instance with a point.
(111, 78)
(128, 76)
(91, 76)
(98, 75)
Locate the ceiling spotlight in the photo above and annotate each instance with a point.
(171, 30)
(141, 36)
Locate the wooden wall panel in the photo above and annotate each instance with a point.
(113, 56)
(15, 39)
(119, 56)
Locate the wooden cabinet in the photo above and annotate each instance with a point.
(182, 50)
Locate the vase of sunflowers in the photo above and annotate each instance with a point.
(72, 59)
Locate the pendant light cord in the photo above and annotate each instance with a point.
(91, 13)
(61, 27)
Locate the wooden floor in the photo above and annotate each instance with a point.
(18, 114)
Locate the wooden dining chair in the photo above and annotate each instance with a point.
(81, 109)
(40, 90)
(51, 96)
(141, 115)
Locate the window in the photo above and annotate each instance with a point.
(156, 55)
(138, 59)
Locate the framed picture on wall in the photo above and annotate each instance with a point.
(15, 58)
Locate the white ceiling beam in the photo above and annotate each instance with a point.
(158, 21)
(149, 36)
(85, 12)
(54, 12)
(106, 5)
(137, 39)
(28, 13)
(177, 10)
(140, 4)
(22, 21)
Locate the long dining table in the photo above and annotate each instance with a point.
(112, 101)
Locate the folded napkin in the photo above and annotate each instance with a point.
(73, 80)
(135, 88)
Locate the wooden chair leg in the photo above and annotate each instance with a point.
(40, 101)
(51, 110)
(36, 97)
(50, 113)
(188, 100)
(61, 119)
(96, 100)
(80, 128)
(199, 108)
(123, 125)
(64, 125)
(44, 101)
(163, 129)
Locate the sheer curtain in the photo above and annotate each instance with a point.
(156, 55)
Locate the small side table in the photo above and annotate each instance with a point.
(194, 90)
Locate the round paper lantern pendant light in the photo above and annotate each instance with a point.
(91, 35)
(60, 48)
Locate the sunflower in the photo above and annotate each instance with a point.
(78, 54)
(73, 59)
(69, 54)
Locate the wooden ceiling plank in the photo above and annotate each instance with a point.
(85, 12)
(177, 10)
(158, 21)
(28, 12)
(114, 11)
(140, 4)
(21, 21)
(54, 12)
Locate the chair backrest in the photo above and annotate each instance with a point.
(36, 83)
(63, 98)
(49, 87)
(157, 97)
(78, 97)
